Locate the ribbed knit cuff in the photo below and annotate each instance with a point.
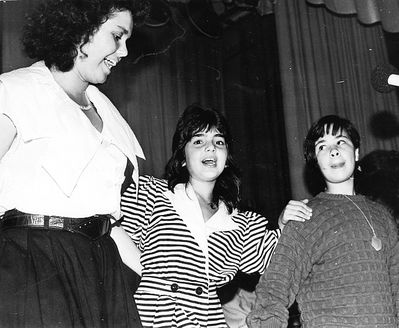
(268, 323)
(273, 323)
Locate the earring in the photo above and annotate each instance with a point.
(183, 164)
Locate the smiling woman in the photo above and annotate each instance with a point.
(64, 148)
(104, 50)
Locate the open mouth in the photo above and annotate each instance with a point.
(109, 63)
(209, 162)
(338, 165)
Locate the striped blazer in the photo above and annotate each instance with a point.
(180, 273)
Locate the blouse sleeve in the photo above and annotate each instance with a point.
(259, 244)
(137, 206)
(4, 102)
(16, 107)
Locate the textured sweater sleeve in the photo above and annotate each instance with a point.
(394, 262)
(394, 274)
(279, 285)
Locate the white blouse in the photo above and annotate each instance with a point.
(59, 164)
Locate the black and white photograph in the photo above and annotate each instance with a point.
(199, 163)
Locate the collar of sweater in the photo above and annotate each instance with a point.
(354, 198)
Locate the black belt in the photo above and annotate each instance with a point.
(92, 227)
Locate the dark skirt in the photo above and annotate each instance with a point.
(61, 279)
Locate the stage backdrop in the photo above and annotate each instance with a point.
(326, 62)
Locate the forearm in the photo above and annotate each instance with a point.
(270, 308)
(277, 288)
(128, 251)
(259, 322)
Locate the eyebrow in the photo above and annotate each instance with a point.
(199, 134)
(336, 136)
(341, 136)
(125, 31)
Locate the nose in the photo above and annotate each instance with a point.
(334, 152)
(122, 50)
(210, 146)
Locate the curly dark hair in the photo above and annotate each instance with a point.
(313, 176)
(379, 178)
(56, 28)
(193, 120)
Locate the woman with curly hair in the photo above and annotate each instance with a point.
(192, 235)
(64, 148)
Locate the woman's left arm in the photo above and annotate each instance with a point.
(128, 251)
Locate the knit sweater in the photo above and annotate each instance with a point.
(330, 267)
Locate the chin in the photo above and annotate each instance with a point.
(211, 178)
(341, 180)
(100, 78)
(99, 81)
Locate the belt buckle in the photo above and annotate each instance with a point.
(56, 222)
(37, 220)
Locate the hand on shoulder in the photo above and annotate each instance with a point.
(296, 210)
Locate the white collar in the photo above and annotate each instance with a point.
(116, 129)
(184, 199)
(185, 202)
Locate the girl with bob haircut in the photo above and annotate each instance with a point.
(64, 148)
(313, 176)
(342, 267)
(192, 236)
(318, 130)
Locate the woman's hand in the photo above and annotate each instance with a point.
(296, 210)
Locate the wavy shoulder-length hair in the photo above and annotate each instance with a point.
(193, 120)
(56, 28)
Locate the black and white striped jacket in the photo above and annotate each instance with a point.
(180, 271)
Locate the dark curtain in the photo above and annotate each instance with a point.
(326, 62)
(253, 103)
(12, 17)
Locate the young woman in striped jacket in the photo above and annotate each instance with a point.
(192, 236)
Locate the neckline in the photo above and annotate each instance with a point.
(88, 107)
(62, 93)
(327, 195)
(82, 109)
